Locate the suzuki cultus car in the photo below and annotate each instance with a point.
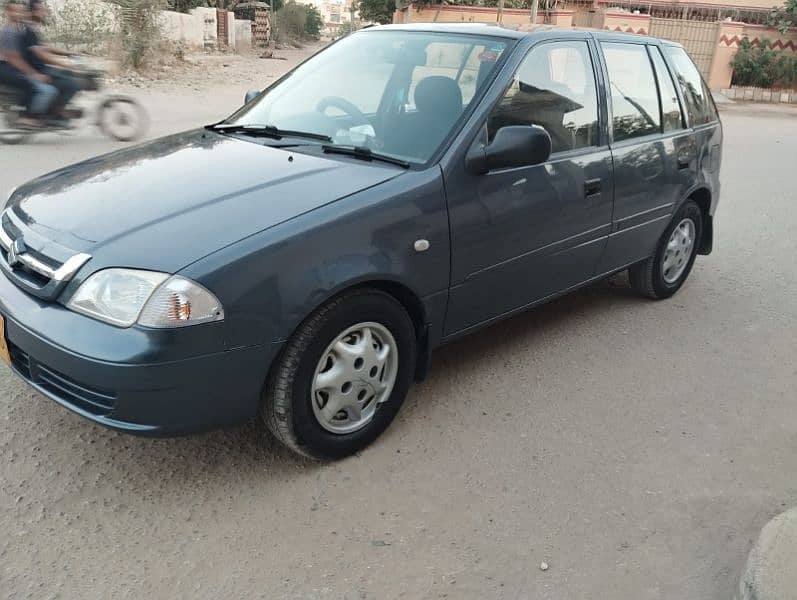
(301, 259)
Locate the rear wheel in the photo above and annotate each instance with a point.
(343, 376)
(661, 275)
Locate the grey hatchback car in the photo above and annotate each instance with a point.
(301, 259)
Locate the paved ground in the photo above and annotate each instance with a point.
(636, 447)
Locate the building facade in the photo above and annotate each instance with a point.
(710, 31)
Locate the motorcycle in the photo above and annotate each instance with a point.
(118, 116)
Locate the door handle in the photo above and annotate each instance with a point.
(684, 162)
(592, 187)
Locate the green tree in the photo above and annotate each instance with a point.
(295, 22)
(784, 17)
(185, 6)
(313, 22)
(377, 11)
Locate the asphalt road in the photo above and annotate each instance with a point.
(635, 446)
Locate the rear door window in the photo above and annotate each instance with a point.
(635, 98)
(672, 119)
(699, 103)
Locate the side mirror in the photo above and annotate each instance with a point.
(251, 95)
(513, 146)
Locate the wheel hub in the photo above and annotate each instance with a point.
(678, 250)
(356, 373)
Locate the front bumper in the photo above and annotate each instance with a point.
(146, 382)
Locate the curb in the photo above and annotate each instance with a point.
(771, 570)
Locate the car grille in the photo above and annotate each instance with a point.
(24, 262)
(94, 401)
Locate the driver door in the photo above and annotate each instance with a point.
(522, 234)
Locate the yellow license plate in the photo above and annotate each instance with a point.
(3, 345)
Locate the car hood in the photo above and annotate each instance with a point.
(167, 203)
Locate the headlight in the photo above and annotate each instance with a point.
(126, 296)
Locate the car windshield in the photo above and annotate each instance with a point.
(395, 93)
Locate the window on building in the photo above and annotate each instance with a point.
(632, 87)
(554, 88)
(672, 119)
(699, 103)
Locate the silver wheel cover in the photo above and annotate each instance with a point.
(356, 373)
(678, 251)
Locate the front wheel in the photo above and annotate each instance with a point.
(663, 274)
(122, 118)
(343, 376)
(9, 133)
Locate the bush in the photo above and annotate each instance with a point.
(139, 29)
(346, 28)
(294, 23)
(762, 66)
(84, 23)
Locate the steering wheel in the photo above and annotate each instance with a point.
(344, 105)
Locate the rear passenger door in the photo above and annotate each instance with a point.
(653, 151)
(702, 116)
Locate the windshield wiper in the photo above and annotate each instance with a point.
(364, 153)
(267, 131)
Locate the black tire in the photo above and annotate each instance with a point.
(13, 138)
(286, 407)
(647, 277)
(122, 118)
(9, 134)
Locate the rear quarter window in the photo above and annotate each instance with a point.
(672, 120)
(697, 97)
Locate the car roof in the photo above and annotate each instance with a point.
(537, 31)
(468, 28)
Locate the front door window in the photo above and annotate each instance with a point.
(554, 88)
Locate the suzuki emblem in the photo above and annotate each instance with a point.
(17, 248)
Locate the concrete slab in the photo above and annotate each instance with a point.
(724, 97)
(770, 573)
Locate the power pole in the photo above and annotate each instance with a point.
(500, 15)
(534, 6)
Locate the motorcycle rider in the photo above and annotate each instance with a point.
(16, 72)
(49, 60)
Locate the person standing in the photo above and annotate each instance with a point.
(17, 73)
